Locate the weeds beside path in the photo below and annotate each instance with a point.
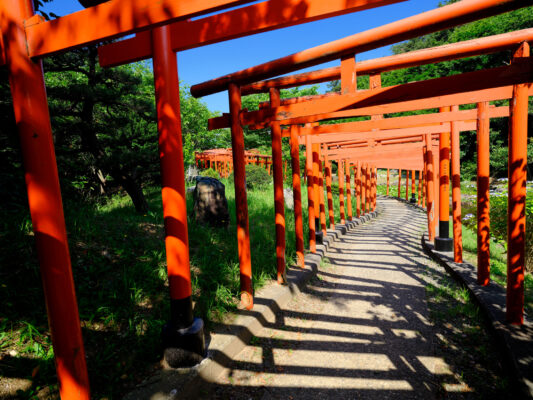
(380, 320)
(119, 268)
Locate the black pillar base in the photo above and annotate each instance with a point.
(184, 347)
(319, 235)
(413, 198)
(443, 244)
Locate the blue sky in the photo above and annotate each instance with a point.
(208, 62)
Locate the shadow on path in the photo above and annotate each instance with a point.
(360, 329)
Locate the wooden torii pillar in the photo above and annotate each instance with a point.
(297, 196)
(279, 201)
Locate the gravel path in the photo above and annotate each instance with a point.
(359, 330)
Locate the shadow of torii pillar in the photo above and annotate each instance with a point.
(443, 242)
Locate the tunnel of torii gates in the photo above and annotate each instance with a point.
(164, 27)
(221, 160)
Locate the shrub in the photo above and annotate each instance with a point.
(211, 173)
(498, 223)
(256, 177)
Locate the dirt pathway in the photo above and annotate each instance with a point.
(359, 330)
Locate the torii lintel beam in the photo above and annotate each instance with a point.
(393, 127)
(256, 18)
(110, 20)
(521, 71)
(431, 94)
(454, 51)
(417, 25)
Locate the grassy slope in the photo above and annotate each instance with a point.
(119, 270)
(120, 274)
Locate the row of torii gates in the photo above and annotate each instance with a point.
(417, 142)
(221, 160)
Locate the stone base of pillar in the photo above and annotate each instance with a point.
(413, 198)
(184, 347)
(319, 237)
(443, 244)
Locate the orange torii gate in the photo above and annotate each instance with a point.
(221, 160)
(378, 153)
(27, 38)
(162, 27)
(505, 82)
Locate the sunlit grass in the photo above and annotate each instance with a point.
(119, 268)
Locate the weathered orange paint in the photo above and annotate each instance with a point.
(310, 195)
(279, 201)
(348, 74)
(516, 221)
(241, 203)
(44, 197)
(297, 196)
(340, 174)
(483, 197)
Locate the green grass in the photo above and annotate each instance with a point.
(463, 341)
(119, 269)
(498, 264)
(498, 217)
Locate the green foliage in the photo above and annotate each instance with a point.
(210, 172)
(257, 177)
(507, 22)
(498, 221)
(196, 136)
(119, 267)
(105, 132)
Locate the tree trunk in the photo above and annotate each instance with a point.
(91, 144)
(133, 189)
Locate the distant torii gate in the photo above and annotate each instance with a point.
(27, 37)
(474, 87)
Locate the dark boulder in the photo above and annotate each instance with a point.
(210, 203)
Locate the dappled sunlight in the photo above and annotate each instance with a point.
(350, 332)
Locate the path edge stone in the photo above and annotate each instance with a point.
(516, 342)
(267, 302)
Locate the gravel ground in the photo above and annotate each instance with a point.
(359, 330)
